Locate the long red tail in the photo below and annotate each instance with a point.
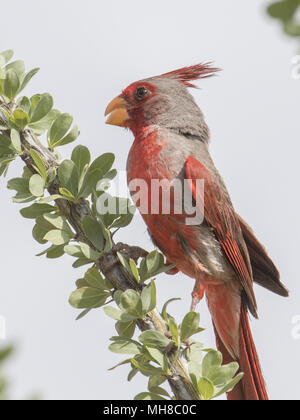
(252, 386)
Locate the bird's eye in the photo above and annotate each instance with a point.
(141, 92)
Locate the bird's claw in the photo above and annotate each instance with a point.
(134, 252)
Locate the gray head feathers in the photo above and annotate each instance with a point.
(173, 107)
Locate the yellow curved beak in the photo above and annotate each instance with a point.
(117, 112)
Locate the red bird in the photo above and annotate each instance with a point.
(221, 253)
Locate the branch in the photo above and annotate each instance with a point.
(75, 225)
(179, 380)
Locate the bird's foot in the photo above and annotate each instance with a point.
(134, 252)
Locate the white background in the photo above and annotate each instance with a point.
(89, 51)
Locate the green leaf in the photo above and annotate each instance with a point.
(36, 185)
(292, 28)
(88, 252)
(49, 198)
(18, 66)
(111, 174)
(123, 221)
(154, 338)
(59, 222)
(283, 10)
(55, 251)
(96, 171)
(5, 353)
(81, 283)
(74, 251)
(23, 198)
(39, 164)
(159, 391)
(194, 353)
(118, 315)
(40, 126)
(35, 210)
(69, 176)
(27, 78)
(7, 55)
(152, 261)
(19, 184)
(81, 157)
(190, 325)
(58, 237)
(134, 269)
(173, 328)
(94, 279)
(113, 313)
(69, 138)
(26, 173)
(125, 329)
(148, 396)
(124, 262)
(41, 108)
(34, 100)
(155, 381)
(124, 362)
(145, 367)
(45, 251)
(223, 374)
(21, 118)
(131, 374)
(108, 241)
(15, 140)
(206, 388)
(11, 84)
(229, 387)
(158, 357)
(93, 231)
(24, 103)
(59, 128)
(164, 309)
(124, 345)
(5, 145)
(114, 210)
(80, 262)
(67, 195)
(195, 371)
(83, 313)
(87, 297)
(51, 177)
(4, 167)
(131, 303)
(148, 297)
(40, 229)
(117, 296)
(211, 361)
(4, 164)
(155, 265)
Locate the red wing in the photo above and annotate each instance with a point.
(220, 215)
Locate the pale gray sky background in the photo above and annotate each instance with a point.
(88, 51)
